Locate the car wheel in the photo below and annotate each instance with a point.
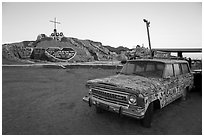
(99, 110)
(147, 120)
(184, 96)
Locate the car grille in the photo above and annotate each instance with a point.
(112, 95)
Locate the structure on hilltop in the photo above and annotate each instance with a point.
(55, 35)
(56, 47)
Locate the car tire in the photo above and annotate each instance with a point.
(184, 94)
(99, 110)
(147, 120)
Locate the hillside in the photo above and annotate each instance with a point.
(118, 49)
(66, 49)
(86, 50)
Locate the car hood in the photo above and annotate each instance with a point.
(134, 83)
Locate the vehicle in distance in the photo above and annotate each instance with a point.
(141, 86)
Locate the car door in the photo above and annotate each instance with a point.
(179, 80)
(187, 79)
(170, 83)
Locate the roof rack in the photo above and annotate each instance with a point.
(155, 55)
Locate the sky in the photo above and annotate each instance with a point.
(172, 24)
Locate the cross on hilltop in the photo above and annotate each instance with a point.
(55, 22)
(55, 35)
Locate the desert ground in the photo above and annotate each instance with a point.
(48, 101)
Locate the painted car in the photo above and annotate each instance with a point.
(141, 86)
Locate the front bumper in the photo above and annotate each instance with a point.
(134, 112)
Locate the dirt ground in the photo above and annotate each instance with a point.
(47, 101)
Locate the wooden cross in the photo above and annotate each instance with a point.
(55, 22)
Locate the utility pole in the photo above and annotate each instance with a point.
(147, 24)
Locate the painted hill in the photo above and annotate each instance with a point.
(66, 49)
(86, 50)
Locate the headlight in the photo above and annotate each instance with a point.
(132, 99)
(90, 91)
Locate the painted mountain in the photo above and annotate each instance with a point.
(48, 49)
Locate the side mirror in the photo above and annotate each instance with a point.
(118, 72)
(123, 61)
(168, 77)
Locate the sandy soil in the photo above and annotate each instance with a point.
(48, 101)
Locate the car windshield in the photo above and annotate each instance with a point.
(143, 68)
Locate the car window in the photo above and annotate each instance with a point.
(168, 71)
(160, 67)
(143, 68)
(185, 68)
(128, 68)
(150, 67)
(139, 67)
(177, 70)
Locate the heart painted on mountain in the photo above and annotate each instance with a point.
(66, 53)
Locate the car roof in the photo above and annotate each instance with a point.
(166, 61)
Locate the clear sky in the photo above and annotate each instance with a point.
(172, 25)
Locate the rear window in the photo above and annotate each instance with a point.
(168, 70)
(177, 69)
(184, 68)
